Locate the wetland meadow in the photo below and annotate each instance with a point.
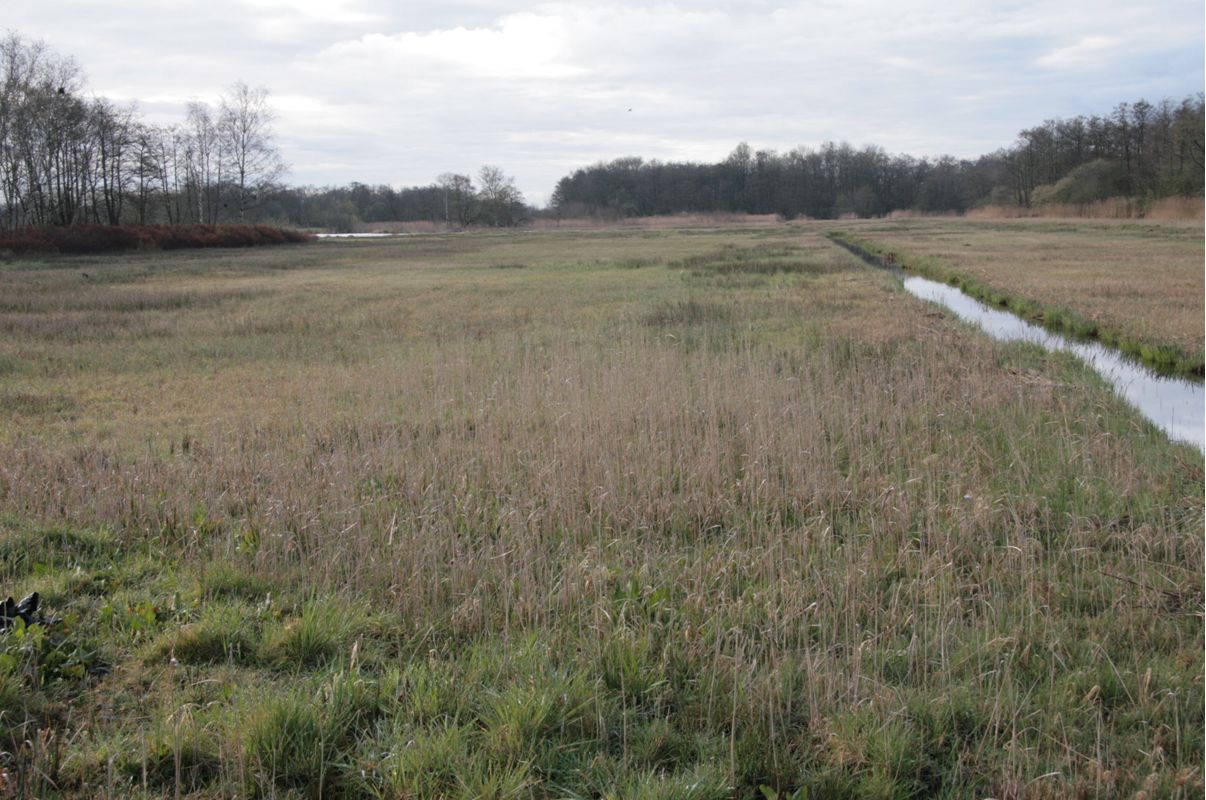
(679, 513)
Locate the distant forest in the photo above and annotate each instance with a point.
(1139, 150)
(67, 159)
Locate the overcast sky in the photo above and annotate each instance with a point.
(398, 92)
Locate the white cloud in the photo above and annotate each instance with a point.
(378, 91)
(1088, 51)
(521, 47)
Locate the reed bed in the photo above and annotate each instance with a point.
(423, 529)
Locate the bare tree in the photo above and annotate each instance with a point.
(458, 198)
(245, 127)
(204, 162)
(145, 168)
(499, 199)
(165, 164)
(115, 133)
(45, 149)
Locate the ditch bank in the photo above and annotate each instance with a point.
(1162, 358)
(1176, 405)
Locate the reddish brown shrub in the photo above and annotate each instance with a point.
(270, 235)
(22, 242)
(76, 239)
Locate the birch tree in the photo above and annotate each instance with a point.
(245, 130)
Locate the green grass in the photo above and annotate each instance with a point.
(651, 517)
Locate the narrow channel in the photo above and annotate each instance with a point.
(1176, 406)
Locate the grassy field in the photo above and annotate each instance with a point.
(1136, 285)
(652, 514)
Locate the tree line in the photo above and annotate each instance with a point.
(1139, 150)
(67, 159)
(453, 200)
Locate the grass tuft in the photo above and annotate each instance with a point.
(224, 633)
(322, 631)
(687, 312)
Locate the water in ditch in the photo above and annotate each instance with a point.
(1175, 405)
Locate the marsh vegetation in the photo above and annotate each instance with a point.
(660, 514)
(1134, 286)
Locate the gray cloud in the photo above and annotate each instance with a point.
(380, 92)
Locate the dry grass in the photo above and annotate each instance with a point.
(1139, 286)
(412, 526)
(663, 222)
(1165, 209)
(545, 225)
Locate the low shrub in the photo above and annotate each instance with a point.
(82, 239)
